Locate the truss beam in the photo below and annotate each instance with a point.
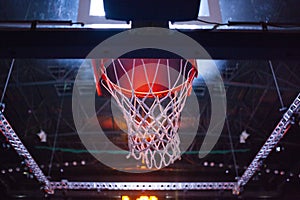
(277, 134)
(142, 185)
(22, 151)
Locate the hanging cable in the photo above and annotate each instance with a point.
(56, 133)
(7, 80)
(277, 87)
(232, 149)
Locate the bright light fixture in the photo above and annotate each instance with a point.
(141, 198)
(97, 8)
(243, 137)
(125, 198)
(147, 198)
(42, 135)
(204, 9)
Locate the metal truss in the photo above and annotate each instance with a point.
(21, 150)
(279, 131)
(142, 185)
(49, 187)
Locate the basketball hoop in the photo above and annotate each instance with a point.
(151, 94)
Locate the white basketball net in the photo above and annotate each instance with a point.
(152, 117)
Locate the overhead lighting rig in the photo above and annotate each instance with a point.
(50, 186)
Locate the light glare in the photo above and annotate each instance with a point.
(97, 8)
(125, 198)
(147, 198)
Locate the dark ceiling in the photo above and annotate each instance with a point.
(39, 97)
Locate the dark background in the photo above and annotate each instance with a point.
(40, 89)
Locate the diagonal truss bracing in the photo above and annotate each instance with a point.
(22, 151)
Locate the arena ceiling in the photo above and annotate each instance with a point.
(39, 97)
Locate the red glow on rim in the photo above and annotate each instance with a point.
(149, 90)
(154, 87)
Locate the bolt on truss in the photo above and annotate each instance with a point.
(278, 133)
(21, 150)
